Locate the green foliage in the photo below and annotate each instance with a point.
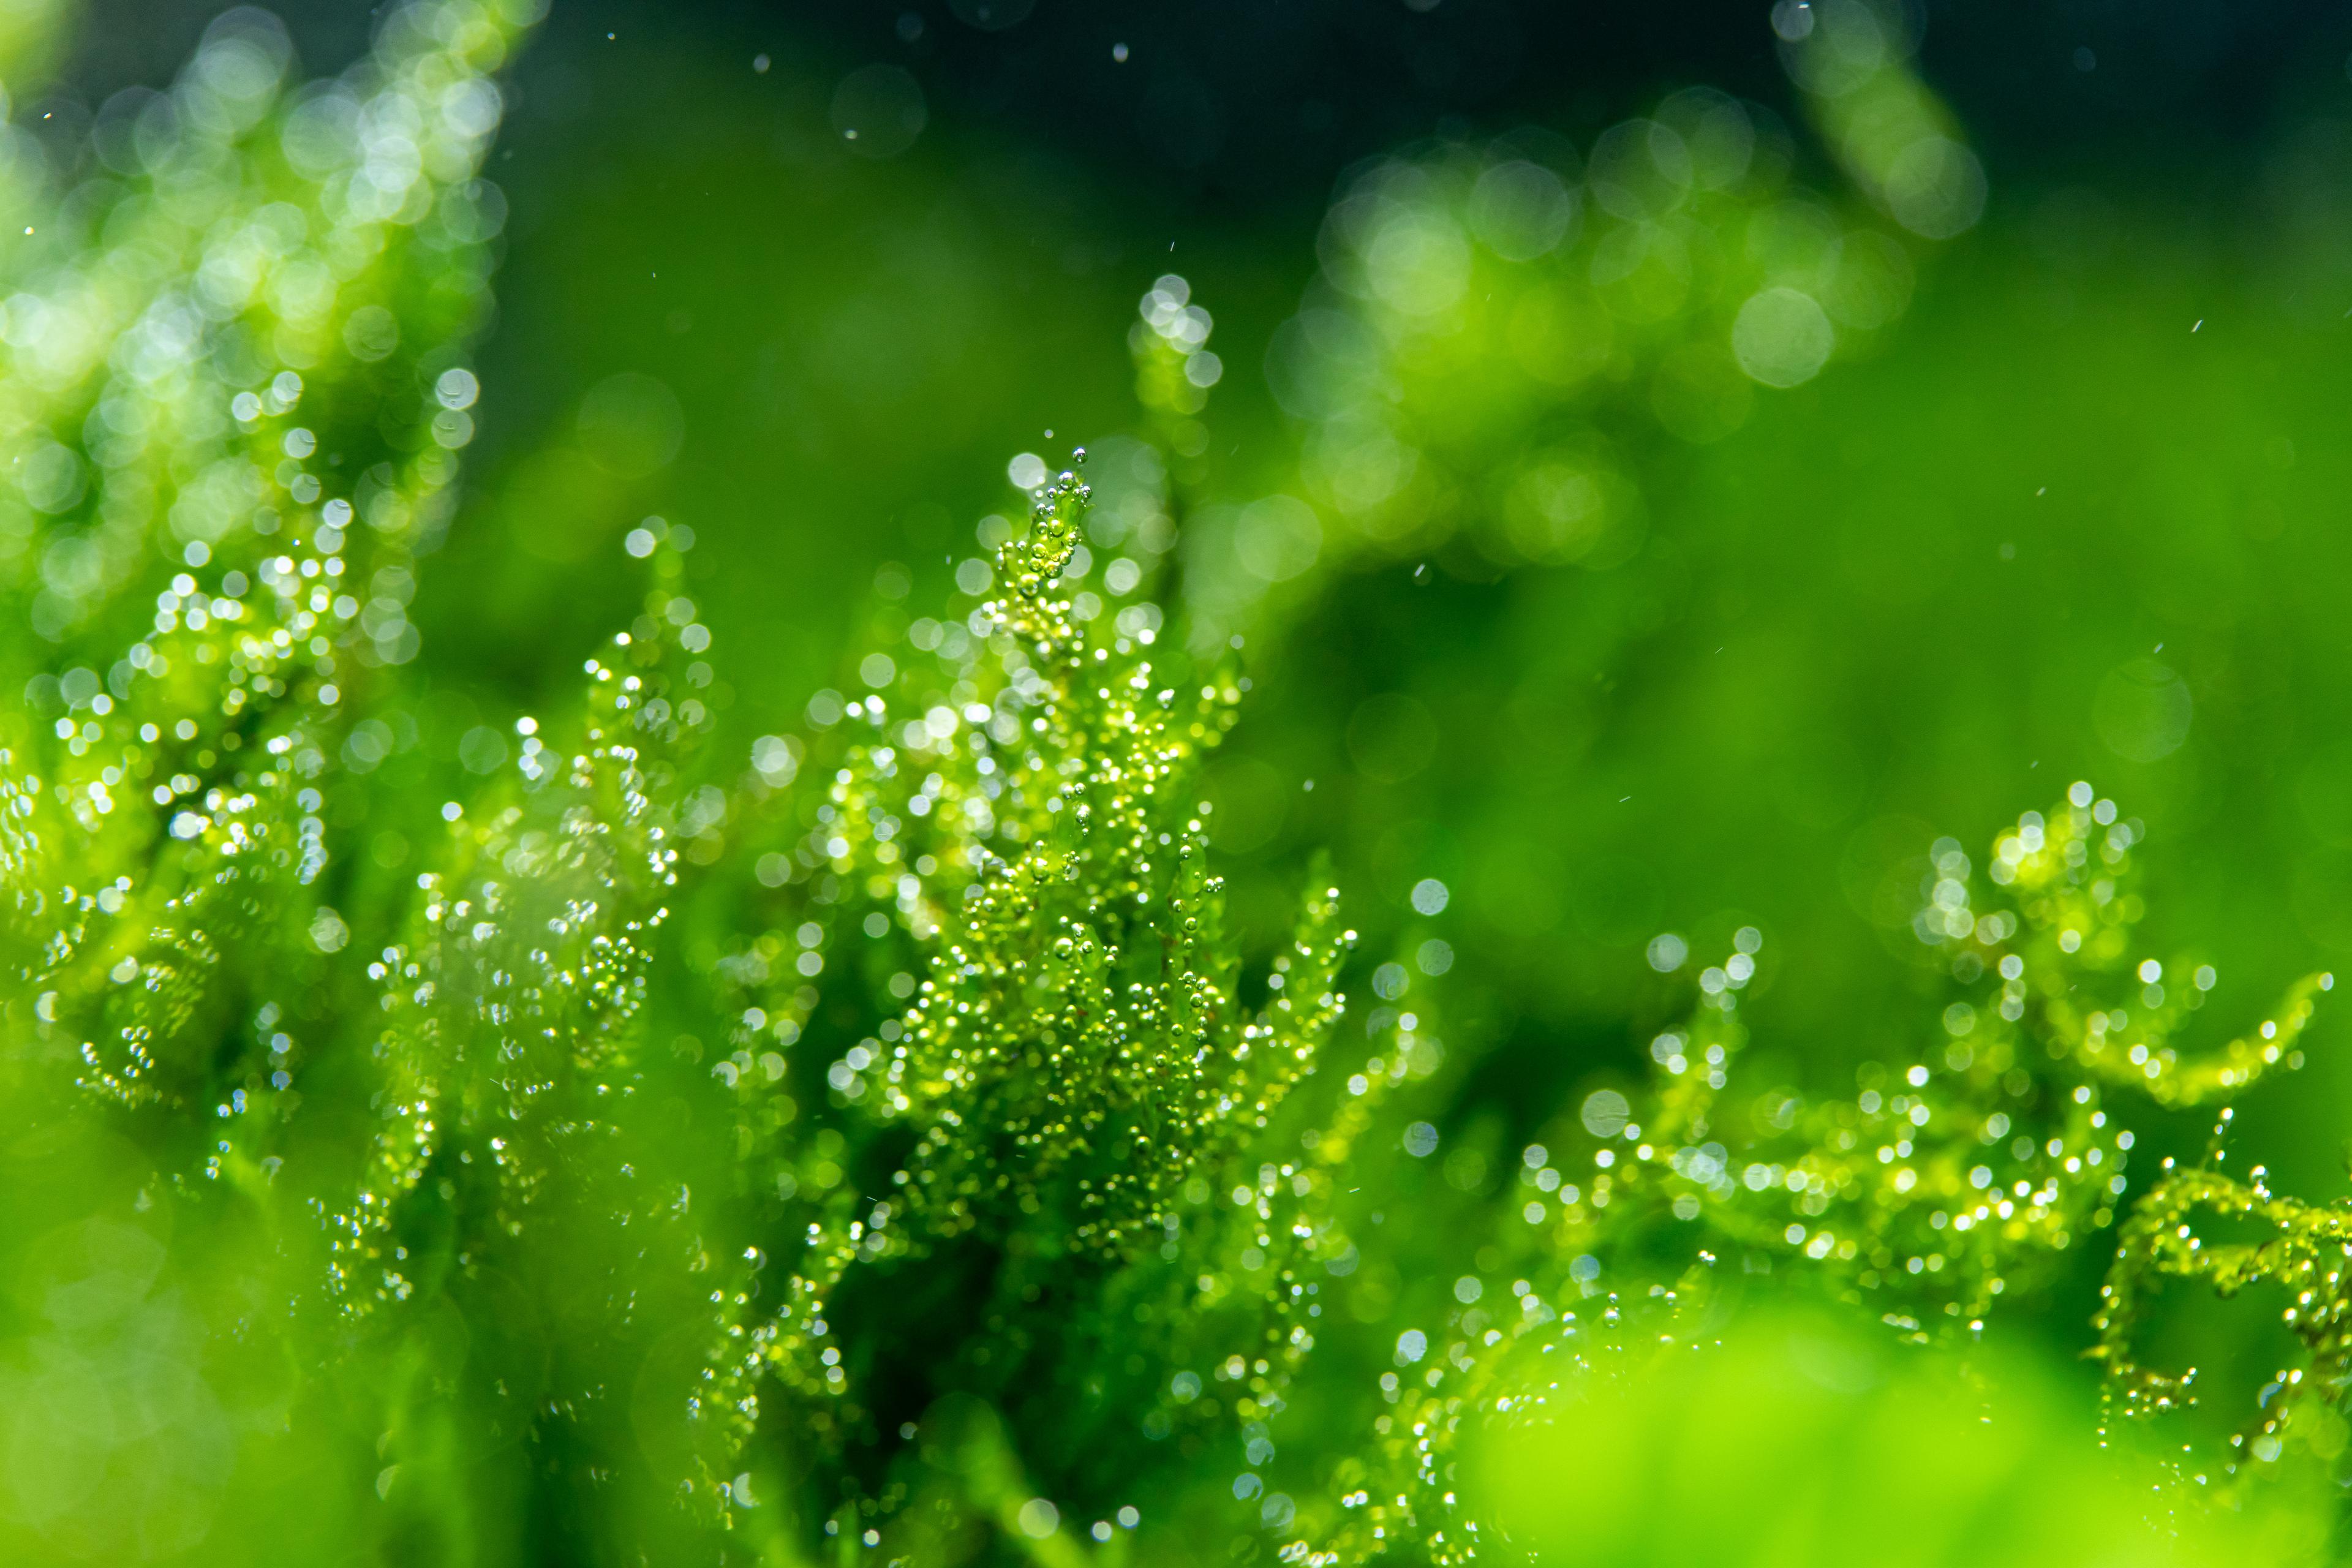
(2301, 1248)
(885, 1138)
(1946, 1184)
(1798, 1441)
(1065, 1064)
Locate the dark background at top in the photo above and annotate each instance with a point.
(1226, 108)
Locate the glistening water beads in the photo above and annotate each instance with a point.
(1027, 1196)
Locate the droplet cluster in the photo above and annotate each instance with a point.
(1073, 1067)
(1943, 1183)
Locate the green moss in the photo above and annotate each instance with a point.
(607, 1144)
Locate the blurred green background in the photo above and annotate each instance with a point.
(2078, 514)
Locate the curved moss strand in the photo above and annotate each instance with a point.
(2307, 1255)
(1925, 1202)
